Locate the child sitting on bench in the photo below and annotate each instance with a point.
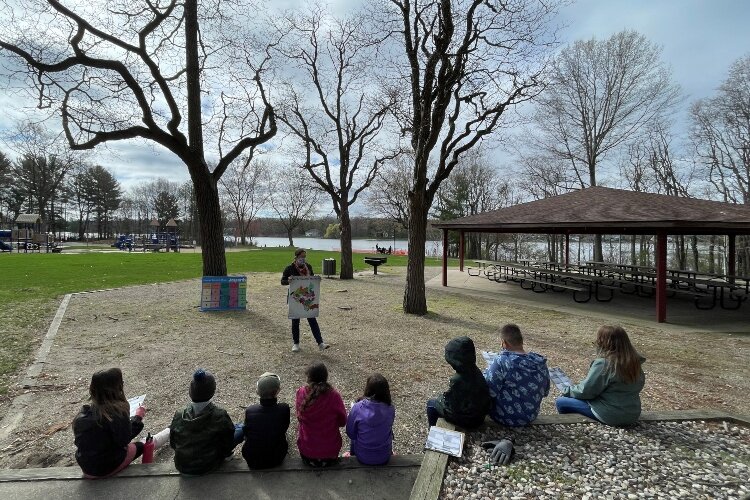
(321, 412)
(202, 434)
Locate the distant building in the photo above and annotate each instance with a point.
(312, 233)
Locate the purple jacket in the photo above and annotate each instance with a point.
(370, 428)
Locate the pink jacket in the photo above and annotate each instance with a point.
(318, 434)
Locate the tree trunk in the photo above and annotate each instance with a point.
(347, 265)
(598, 254)
(743, 256)
(415, 301)
(206, 191)
(289, 235)
(712, 255)
(694, 248)
(211, 226)
(243, 230)
(633, 256)
(681, 253)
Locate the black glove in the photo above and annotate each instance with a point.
(502, 450)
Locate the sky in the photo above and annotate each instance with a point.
(700, 40)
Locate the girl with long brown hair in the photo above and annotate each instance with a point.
(610, 393)
(320, 412)
(104, 428)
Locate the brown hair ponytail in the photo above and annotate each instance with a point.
(317, 384)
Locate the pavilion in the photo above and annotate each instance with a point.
(600, 210)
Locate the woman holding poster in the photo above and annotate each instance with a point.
(300, 267)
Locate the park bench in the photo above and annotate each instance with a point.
(375, 262)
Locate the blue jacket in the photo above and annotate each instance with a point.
(517, 383)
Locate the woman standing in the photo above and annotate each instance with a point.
(300, 267)
(610, 393)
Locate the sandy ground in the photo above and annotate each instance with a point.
(158, 336)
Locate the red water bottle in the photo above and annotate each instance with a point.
(148, 450)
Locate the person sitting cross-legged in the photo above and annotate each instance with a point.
(518, 381)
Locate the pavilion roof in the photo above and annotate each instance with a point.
(611, 211)
(28, 219)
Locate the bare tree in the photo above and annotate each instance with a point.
(339, 120)
(465, 63)
(601, 92)
(41, 168)
(245, 189)
(6, 184)
(389, 194)
(721, 134)
(473, 188)
(125, 70)
(294, 200)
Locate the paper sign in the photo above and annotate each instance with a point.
(445, 441)
(223, 293)
(135, 403)
(304, 296)
(559, 378)
(489, 357)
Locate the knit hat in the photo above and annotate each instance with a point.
(268, 385)
(299, 251)
(203, 386)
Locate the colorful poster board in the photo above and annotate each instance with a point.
(223, 293)
(304, 296)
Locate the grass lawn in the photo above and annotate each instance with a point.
(31, 284)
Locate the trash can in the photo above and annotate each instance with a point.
(329, 267)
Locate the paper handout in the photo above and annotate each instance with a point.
(135, 402)
(559, 378)
(489, 357)
(445, 441)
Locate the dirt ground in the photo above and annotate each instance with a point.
(158, 336)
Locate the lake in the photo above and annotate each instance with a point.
(432, 248)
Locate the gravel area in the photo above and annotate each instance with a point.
(695, 460)
(157, 335)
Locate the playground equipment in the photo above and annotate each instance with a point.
(5, 240)
(155, 241)
(29, 235)
(124, 242)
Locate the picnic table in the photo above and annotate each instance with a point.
(601, 279)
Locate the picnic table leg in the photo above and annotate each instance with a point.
(586, 299)
(600, 299)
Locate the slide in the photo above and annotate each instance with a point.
(4, 247)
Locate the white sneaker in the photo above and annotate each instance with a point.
(295, 347)
(323, 346)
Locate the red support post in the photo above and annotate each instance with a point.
(661, 277)
(731, 257)
(445, 257)
(461, 243)
(567, 249)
